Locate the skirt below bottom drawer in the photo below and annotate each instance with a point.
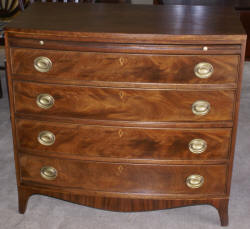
(124, 178)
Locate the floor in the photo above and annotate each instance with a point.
(48, 213)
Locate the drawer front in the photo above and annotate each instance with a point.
(124, 178)
(118, 142)
(124, 104)
(116, 67)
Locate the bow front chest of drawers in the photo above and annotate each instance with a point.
(125, 107)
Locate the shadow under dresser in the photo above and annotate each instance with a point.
(125, 107)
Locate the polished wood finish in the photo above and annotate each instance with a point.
(122, 143)
(116, 67)
(242, 7)
(212, 49)
(122, 204)
(218, 3)
(124, 178)
(116, 126)
(123, 104)
(154, 24)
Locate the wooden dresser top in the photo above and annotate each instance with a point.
(135, 22)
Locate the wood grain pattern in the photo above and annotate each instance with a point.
(115, 67)
(104, 104)
(122, 204)
(191, 49)
(124, 178)
(123, 104)
(153, 23)
(198, 124)
(93, 142)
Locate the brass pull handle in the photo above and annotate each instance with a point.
(201, 107)
(46, 138)
(42, 64)
(194, 181)
(197, 146)
(48, 173)
(45, 101)
(203, 70)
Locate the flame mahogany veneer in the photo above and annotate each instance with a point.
(112, 107)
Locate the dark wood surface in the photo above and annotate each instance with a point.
(92, 18)
(16, 42)
(117, 67)
(241, 6)
(123, 104)
(122, 204)
(237, 4)
(91, 142)
(125, 178)
(138, 113)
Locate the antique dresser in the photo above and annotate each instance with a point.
(125, 107)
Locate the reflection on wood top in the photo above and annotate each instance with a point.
(125, 19)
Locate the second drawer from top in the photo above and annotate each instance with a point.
(119, 104)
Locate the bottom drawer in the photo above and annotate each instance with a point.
(124, 178)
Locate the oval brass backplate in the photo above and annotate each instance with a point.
(194, 181)
(203, 70)
(42, 64)
(45, 101)
(48, 173)
(197, 146)
(201, 107)
(46, 138)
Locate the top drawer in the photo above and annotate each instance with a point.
(36, 64)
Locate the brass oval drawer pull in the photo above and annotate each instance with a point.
(48, 173)
(203, 70)
(201, 107)
(197, 146)
(42, 64)
(45, 101)
(194, 181)
(46, 138)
